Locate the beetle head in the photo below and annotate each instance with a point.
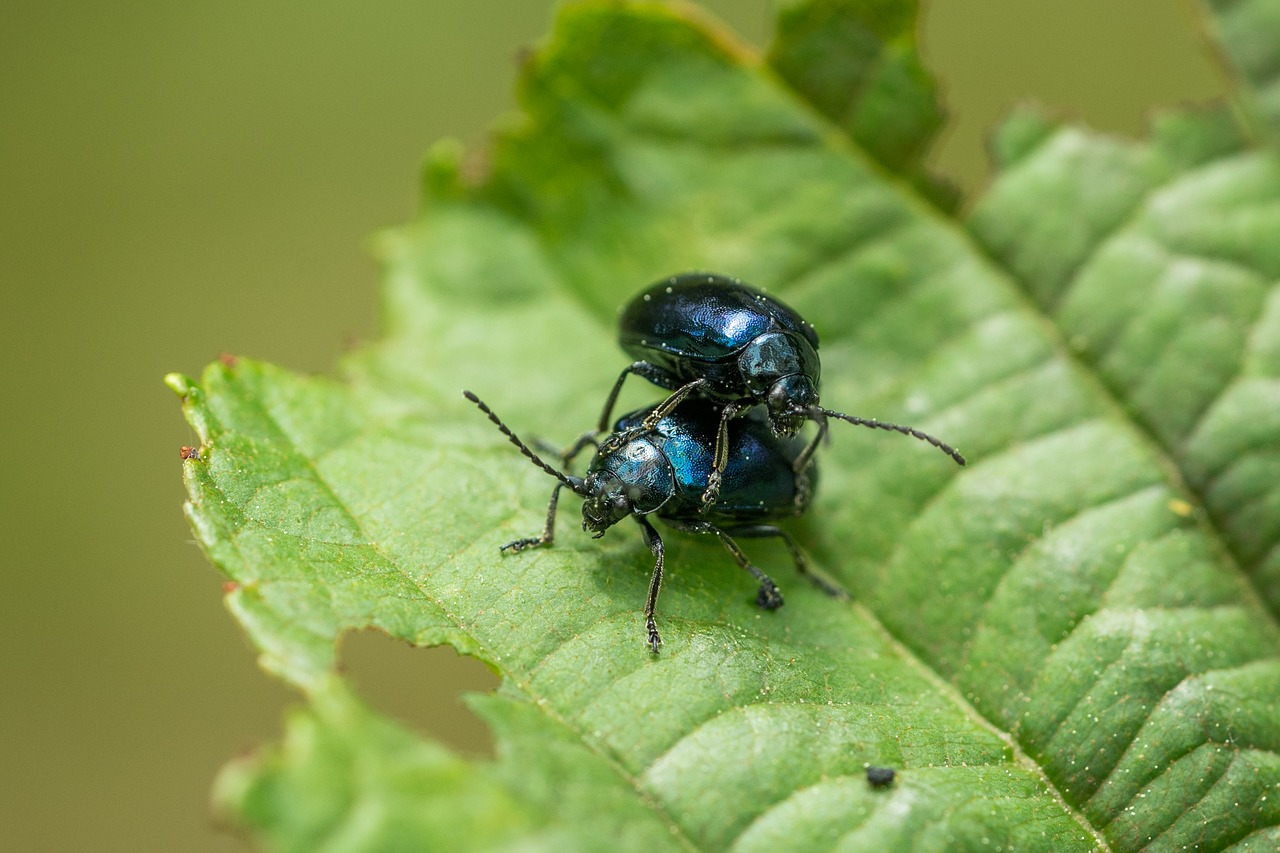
(789, 401)
(606, 501)
(782, 370)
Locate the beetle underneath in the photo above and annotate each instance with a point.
(662, 470)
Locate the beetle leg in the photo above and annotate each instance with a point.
(548, 531)
(654, 374)
(546, 448)
(667, 405)
(565, 455)
(801, 465)
(768, 596)
(720, 458)
(654, 541)
(762, 531)
(618, 439)
(802, 461)
(586, 439)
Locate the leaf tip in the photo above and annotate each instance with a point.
(1021, 132)
(180, 384)
(445, 174)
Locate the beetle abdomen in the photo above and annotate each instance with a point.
(704, 317)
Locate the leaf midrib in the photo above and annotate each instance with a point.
(1111, 395)
(1022, 293)
(1241, 92)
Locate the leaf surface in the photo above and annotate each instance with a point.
(1059, 647)
(1247, 33)
(857, 63)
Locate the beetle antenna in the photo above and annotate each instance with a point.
(815, 411)
(574, 483)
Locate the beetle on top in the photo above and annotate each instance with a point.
(718, 338)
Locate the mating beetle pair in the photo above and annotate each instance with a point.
(720, 455)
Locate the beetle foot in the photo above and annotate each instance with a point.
(654, 639)
(712, 492)
(802, 493)
(618, 440)
(769, 597)
(520, 544)
(831, 588)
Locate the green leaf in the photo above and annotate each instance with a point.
(1056, 648)
(857, 63)
(1247, 32)
(1159, 264)
(347, 779)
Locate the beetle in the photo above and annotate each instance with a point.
(662, 470)
(880, 777)
(715, 337)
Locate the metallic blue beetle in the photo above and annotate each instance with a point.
(662, 470)
(717, 338)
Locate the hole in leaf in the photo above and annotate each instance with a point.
(420, 687)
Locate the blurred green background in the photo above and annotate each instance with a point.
(177, 181)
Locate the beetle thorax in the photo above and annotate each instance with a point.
(782, 370)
